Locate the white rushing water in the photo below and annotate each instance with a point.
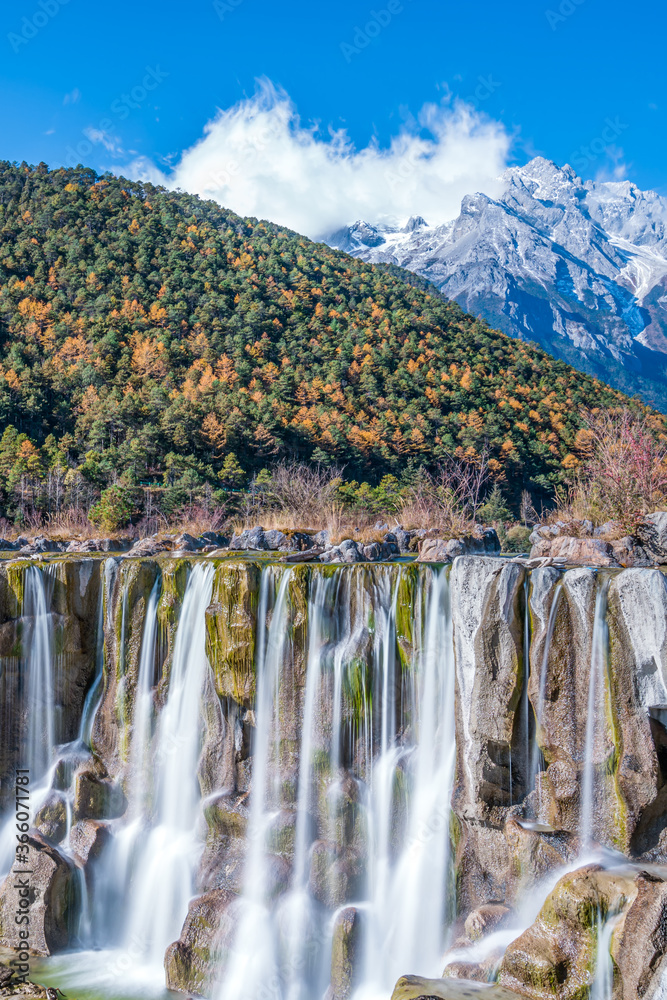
(37, 736)
(284, 946)
(162, 882)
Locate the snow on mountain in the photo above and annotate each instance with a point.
(579, 267)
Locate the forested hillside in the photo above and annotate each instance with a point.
(150, 336)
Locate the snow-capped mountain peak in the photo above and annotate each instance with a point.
(581, 268)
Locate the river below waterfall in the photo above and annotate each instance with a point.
(303, 782)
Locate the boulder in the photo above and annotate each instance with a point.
(7, 546)
(151, 546)
(416, 988)
(485, 919)
(556, 956)
(652, 533)
(96, 798)
(51, 820)
(628, 552)
(191, 962)
(445, 550)
(187, 543)
(53, 893)
(88, 839)
(581, 551)
(101, 545)
(42, 544)
(346, 953)
(377, 551)
(348, 551)
(214, 538)
(252, 539)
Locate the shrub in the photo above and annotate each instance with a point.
(113, 510)
(517, 539)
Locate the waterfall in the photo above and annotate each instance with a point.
(407, 917)
(96, 691)
(285, 947)
(594, 708)
(37, 733)
(143, 709)
(603, 982)
(41, 735)
(163, 876)
(253, 961)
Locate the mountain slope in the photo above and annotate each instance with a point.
(149, 333)
(579, 268)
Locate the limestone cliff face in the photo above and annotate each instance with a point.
(558, 706)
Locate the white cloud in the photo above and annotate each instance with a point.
(73, 97)
(258, 159)
(110, 142)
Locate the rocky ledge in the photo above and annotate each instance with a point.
(581, 542)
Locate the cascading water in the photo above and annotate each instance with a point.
(595, 709)
(37, 736)
(163, 873)
(286, 947)
(407, 917)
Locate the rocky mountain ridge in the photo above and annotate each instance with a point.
(579, 267)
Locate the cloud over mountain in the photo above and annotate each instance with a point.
(258, 158)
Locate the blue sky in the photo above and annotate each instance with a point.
(555, 75)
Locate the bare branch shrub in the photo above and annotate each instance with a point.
(300, 495)
(621, 472)
(449, 499)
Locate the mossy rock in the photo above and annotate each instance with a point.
(231, 631)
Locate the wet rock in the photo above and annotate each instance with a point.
(445, 550)
(555, 957)
(96, 798)
(639, 945)
(88, 840)
(336, 878)
(652, 533)
(53, 900)
(51, 820)
(191, 962)
(7, 546)
(346, 953)
(416, 988)
(230, 631)
(227, 815)
(487, 594)
(485, 919)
